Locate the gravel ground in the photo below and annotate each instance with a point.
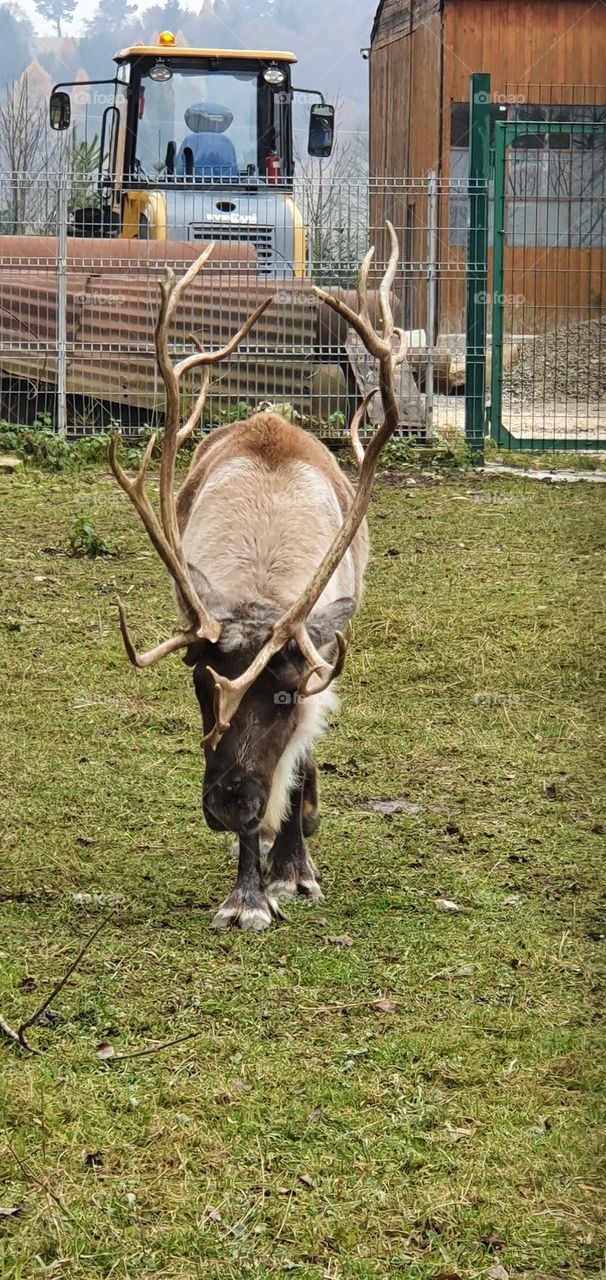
(556, 387)
(567, 364)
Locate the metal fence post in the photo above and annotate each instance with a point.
(498, 260)
(62, 211)
(432, 254)
(477, 263)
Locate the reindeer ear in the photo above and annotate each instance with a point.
(213, 600)
(323, 623)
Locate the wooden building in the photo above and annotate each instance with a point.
(547, 61)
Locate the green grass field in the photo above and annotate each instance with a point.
(449, 1133)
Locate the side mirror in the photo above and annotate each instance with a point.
(60, 110)
(321, 130)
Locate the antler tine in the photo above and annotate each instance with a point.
(184, 281)
(403, 348)
(213, 357)
(205, 625)
(387, 282)
(362, 287)
(197, 411)
(148, 659)
(172, 291)
(354, 426)
(305, 691)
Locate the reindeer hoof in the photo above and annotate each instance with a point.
(248, 910)
(283, 890)
(286, 890)
(310, 889)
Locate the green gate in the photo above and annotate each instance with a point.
(543, 223)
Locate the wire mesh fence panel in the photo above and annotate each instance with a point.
(79, 288)
(548, 306)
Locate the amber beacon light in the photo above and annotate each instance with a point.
(166, 38)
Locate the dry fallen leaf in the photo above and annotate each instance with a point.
(383, 1005)
(493, 1240)
(456, 1133)
(305, 1179)
(447, 906)
(282, 961)
(212, 1213)
(105, 1051)
(11, 1211)
(498, 1272)
(341, 940)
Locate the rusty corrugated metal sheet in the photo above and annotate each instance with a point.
(112, 304)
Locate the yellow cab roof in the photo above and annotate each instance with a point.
(174, 51)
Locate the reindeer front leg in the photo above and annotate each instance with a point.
(290, 868)
(249, 905)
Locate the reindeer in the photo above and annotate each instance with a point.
(266, 543)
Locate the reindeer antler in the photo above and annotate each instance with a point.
(291, 626)
(164, 533)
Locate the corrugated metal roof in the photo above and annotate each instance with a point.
(112, 303)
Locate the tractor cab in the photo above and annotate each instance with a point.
(197, 144)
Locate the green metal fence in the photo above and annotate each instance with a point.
(539, 239)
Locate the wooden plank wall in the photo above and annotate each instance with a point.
(405, 127)
(520, 42)
(405, 89)
(527, 42)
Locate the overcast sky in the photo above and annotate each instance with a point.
(85, 7)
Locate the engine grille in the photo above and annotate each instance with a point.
(260, 237)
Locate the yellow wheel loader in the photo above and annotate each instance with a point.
(197, 145)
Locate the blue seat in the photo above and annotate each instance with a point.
(207, 155)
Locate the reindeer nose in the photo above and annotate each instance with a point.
(235, 801)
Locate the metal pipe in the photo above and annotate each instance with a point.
(432, 253)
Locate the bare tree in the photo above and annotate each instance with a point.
(333, 198)
(26, 155)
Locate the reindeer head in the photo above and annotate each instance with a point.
(255, 668)
(272, 713)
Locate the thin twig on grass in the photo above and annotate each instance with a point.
(142, 1053)
(18, 1036)
(40, 1182)
(8, 1031)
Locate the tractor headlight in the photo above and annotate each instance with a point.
(160, 72)
(274, 76)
